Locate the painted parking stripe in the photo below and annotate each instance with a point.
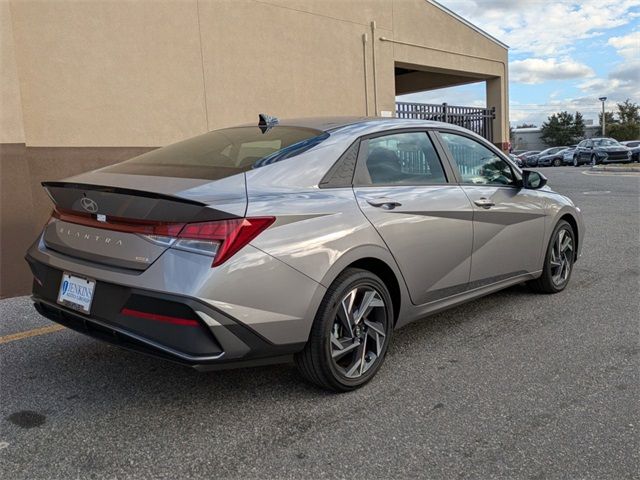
(30, 333)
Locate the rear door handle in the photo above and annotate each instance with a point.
(484, 203)
(383, 202)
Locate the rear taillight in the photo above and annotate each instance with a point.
(220, 239)
(223, 238)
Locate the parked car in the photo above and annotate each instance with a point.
(529, 158)
(567, 155)
(634, 145)
(516, 160)
(595, 151)
(314, 238)
(551, 156)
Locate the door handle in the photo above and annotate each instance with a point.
(484, 203)
(385, 203)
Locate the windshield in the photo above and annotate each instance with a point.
(606, 142)
(222, 153)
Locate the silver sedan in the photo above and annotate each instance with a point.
(310, 239)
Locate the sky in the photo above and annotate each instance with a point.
(563, 55)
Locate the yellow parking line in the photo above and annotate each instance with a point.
(30, 333)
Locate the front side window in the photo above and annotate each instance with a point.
(403, 159)
(222, 153)
(477, 164)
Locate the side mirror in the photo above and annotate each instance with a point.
(533, 180)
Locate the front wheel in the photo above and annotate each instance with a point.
(575, 161)
(594, 160)
(558, 263)
(350, 334)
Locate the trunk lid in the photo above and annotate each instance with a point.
(119, 220)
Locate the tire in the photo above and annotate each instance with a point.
(554, 279)
(594, 160)
(575, 161)
(321, 361)
(557, 162)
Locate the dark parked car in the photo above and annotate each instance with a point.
(529, 158)
(595, 151)
(516, 160)
(634, 145)
(567, 154)
(551, 156)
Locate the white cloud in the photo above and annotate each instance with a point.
(628, 46)
(622, 82)
(537, 70)
(545, 28)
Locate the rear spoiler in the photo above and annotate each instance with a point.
(119, 190)
(126, 203)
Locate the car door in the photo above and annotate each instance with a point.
(424, 217)
(508, 221)
(585, 151)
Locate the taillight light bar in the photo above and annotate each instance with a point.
(118, 224)
(220, 239)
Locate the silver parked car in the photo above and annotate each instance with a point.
(314, 238)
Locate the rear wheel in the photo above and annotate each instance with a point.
(557, 162)
(594, 160)
(558, 263)
(575, 161)
(350, 334)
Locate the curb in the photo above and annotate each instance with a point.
(614, 169)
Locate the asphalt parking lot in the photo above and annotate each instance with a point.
(514, 385)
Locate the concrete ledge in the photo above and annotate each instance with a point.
(632, 167)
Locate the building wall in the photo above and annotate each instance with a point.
(530, 138)
(86, 84)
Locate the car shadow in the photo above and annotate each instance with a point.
(69, 368)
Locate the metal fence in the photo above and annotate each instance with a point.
(478, 120)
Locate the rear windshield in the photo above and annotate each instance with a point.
(223, 153)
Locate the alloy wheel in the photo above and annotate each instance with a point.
(359, 332)
(561, 259)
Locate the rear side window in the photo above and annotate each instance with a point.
(403, 159)
(223, 153)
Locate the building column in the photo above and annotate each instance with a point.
(497, 96)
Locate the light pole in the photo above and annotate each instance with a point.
(602, 99)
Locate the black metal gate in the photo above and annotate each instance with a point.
(478, 120)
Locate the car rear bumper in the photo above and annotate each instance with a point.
(202, 336)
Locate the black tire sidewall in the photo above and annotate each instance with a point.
(326, 317)
(546, 272)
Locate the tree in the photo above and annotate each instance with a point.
(609, 117)
(562, 129)
(626, 124)
(578, 127)
(526, 125)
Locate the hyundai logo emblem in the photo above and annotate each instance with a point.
(89, 205)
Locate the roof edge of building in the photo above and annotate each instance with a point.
(468, 23)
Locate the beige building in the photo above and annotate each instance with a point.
(88, 83)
